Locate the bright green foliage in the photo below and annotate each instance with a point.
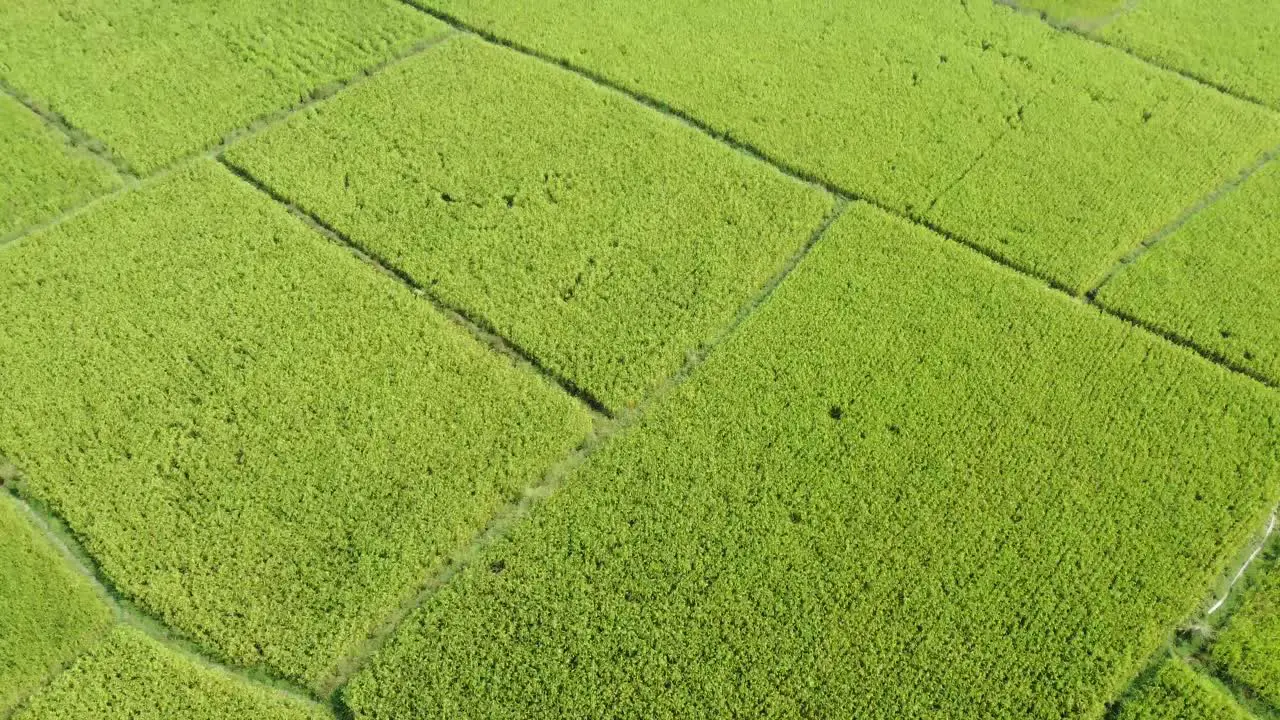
(48, 612)
(914, 484)
(1176, 692)
(1248, 649)
(1110, 179)
(265, 442)
(40, 174)
(1231, 43)
(1079, 13)
(159, 79)
(132, 676)
(1216, 281)
(1051, 151)
(604, 238)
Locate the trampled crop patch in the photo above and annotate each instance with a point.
(48, 613)
(603, 238)
(1042, 147)
(1214, 280)
(40, 174)
(911, 483)
(129, 675)
(264, 442)
(159, 80)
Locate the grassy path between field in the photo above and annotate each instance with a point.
(122, 611)
(1086, 28)
(918, 218)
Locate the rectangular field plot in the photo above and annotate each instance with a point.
(1043, 148)
(1231, 43)
(132, 676)
(160, 79)
(1216, 281)
(1177, 692)
(264, 442)
(603, 238)
(915, 484)
(40, 173)
(48, 612)
(1247, 650)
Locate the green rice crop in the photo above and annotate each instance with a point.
(913, 484)
(48, 612)
(1213, 281)
(606, 240)
(1078, 13)
(1050, 151)
(131, 676)
(264, 442)
(160, 79)
(1176, 692)
(1231, 43)
(1247, 650)
(40, 173)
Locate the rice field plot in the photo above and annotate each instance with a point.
(159, 79)
(1246, 650)
(913, 484)
(48, 613)
(1042, 148)
(1213, 280)
(1231, 44)
(64, 655)
(41, 174)
(1174, 691)
(396, 359)
(129, 675)
(264, 443)
(604, 239)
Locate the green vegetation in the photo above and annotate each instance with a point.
(913, 484)
(159, 79)
(1231, 43)
(131, 676)
(1078, 13)
(48, 613)
(605, 239)
(264, 442)
(852, 468)
(1176, 692)
(1043, 148)
(40, 174)
(1247, 650)
(1214, 280)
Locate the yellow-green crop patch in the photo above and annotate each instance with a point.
(263, 441)
(1247, 649)
(1214, 281)
(914, 484)
(1177, 692)
(1050, 151)
(1230, 43)
(159, 79)
(605, 239)
(48, 613)
(1082, 14)
(40, 173)
(129, 675)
